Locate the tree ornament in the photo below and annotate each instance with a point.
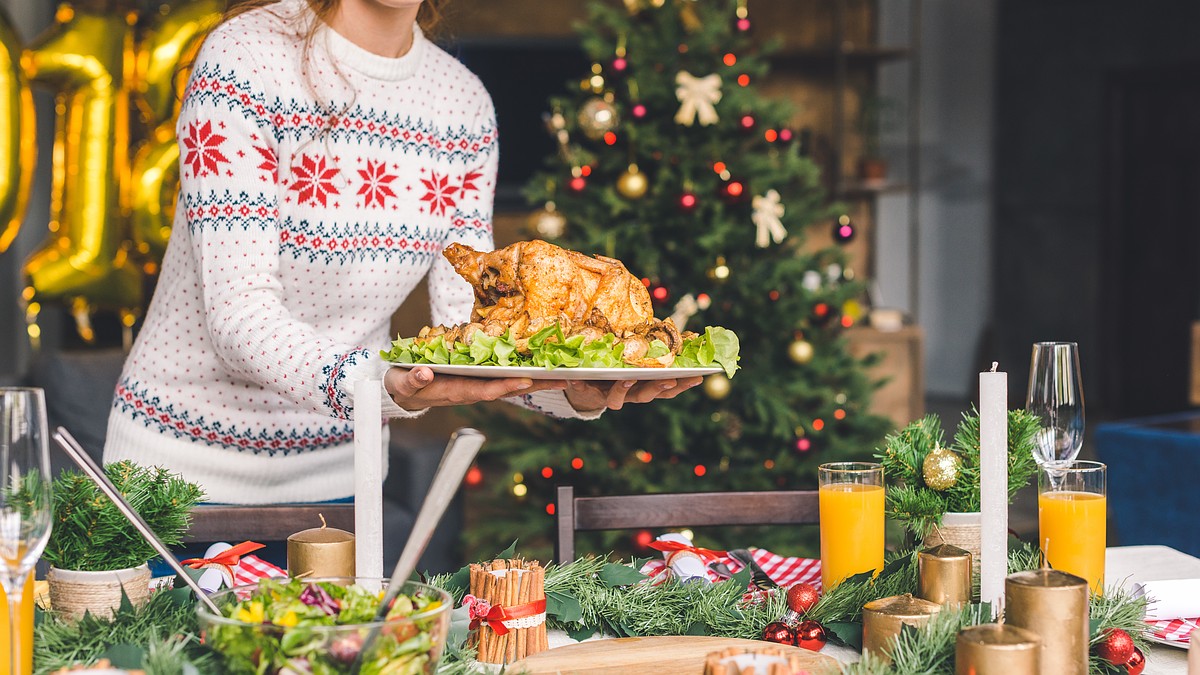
(810, 635)
(633, 183)
(1116, 647)
(688, 202)
(747, 122)
(801, 597)
(685, 309)
(619, 64)
(940, 469)
(742, 20)
(843, 229)
(767, 217)
(1136, 663)
(822, 313)
(780, 633)
(577, 184)
(717, 386)
(597, 117)
(811, 281)
(800, 351)
(718, 272)
(697, 97)
(638, 111)
(732, 191)
(548, 222)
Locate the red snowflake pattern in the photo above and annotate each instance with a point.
(376, 185)
(203, 149)
(469, 180)
(313, 180)
(439, 194)
(269, 163)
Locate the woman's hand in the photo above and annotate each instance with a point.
(418, 388)
(614, 395)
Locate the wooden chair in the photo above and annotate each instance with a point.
(264, 523)
(690, 509)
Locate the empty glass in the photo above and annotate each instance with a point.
(1056, 397)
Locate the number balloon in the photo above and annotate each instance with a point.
(17, 133)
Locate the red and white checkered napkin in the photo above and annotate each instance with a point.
(1176, 631)
(252, 568)
(783, 571)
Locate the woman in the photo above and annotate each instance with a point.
(329, 152)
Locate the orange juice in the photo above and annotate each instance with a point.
(851, 531)
(24, 625)
(1072, 529)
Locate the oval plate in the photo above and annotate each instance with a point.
(535, 373)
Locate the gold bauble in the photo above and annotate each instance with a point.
(940, 468)
(633, 183)
(717, 386)
(548, 222)
(597, 117)
(800, 351)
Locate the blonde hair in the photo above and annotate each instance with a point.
(429, 16)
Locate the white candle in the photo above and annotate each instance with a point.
(993, 502)
(368, 480)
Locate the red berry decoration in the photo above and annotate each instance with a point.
(1136, 663)
(801, 597)
(810, 635)
(1116, 648)
(779, 632)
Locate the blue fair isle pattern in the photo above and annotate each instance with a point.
(472, 221)
(134, 401)
(340, 243)
(215, 211)
(303, 120)
(335, 398)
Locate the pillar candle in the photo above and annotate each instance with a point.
(993, 486)
(882, 620)
(944, 575)
(996, 649)
(321, 552)
(1054, 605)
(368, 478)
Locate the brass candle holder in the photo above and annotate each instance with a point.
(883, 619)
(321, 552)
(1054, 605)
(944, 575)
(996, 649)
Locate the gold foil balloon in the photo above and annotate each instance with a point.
(17, 136)
(597, 117)
(83, 57)
(633, 183)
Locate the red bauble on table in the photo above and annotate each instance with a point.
(779, 632)
(810, 635)
(801, 597)
(1116, 648)
(1136, 663)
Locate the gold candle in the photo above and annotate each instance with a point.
(996, 649)
(1054, 605)
(944, 575)
(321, 552)
(883, 618)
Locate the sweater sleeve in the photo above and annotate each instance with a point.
(230, 187)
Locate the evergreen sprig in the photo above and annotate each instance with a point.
(91, 534)
(911, 501)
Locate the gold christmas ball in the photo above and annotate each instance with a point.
(633, 183)
(940, 468)
(597, 117)
(717, 386)
(548, 222)
(800, 351)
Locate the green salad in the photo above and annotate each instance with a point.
(291, 626)
(549, 348)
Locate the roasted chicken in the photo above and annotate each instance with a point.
(531, 285)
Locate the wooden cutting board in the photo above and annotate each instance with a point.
(682, 654)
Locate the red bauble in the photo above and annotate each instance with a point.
(1136, 663)
(577, 184)
(747, 122)
(687, 202)
(743, 25)
(619, 64)
(801, 597)
(1116, 648)
(779, 632)
(639, 111)
(732, 191)
(810, 635)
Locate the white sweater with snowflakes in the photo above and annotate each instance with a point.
(316, 191)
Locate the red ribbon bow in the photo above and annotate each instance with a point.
(224, 561)
(675, 547)
(495, 615)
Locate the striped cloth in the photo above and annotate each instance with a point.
(252, 568)
(783, 571)
(1177, 632)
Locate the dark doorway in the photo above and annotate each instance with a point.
(1152, 257)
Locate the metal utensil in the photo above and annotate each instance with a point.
(68, 443)
(758, 576)
(460, 452)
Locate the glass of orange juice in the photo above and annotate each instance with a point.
(24, 633)
(851, 504)
(1072, 518)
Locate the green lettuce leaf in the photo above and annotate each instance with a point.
(715, 347)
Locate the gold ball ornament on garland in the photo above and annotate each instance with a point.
(548, 222)
(801, 351)
(940, 469)
(717, 386)
(597, 117)
(633, 183)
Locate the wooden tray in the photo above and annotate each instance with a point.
(683, 655)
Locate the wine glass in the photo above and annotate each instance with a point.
(1056, 397)
(25, 504)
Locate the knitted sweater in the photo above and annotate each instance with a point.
(316, 191)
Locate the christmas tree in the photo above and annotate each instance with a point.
(670, 161)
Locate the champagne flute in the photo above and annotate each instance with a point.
(25, 503)
(1056, 397)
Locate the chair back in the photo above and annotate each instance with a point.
(274, 522)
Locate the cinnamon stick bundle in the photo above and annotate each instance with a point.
(509, 584)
